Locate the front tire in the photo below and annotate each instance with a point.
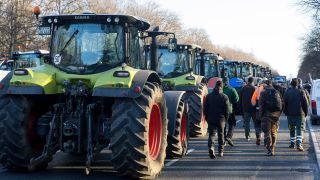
(197, 123)
(139, 132)
(19, 140)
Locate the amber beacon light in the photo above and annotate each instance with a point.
(36, 11)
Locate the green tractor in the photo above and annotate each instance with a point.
(94, 91)
(177, 106)
(175, 67)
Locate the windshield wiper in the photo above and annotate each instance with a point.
(69, 40)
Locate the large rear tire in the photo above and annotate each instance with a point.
(19, 140)
(197, 123)
(178, 141)
(139, 133)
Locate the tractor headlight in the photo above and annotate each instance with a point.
(190, 77)
(121, 74)
(20, 72)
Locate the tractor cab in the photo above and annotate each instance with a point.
(267, 73)
(176, 63)
(26, 59)
(207, 64)
(91, 43)
(246, 69)
(230, 69)
(257, 71)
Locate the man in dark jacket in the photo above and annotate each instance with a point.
(216, 111)
(270, 116)
(233, 98)
(296, 109)
(249, 111)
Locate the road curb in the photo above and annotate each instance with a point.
(315, 142)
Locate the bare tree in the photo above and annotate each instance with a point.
(17, 25)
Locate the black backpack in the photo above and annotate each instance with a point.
(273, 100)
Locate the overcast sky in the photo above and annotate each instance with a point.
(270, 29)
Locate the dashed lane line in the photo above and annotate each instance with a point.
(176, 160)
(189, 151)
(315, 142)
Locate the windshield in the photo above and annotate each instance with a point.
(88, 48)
(258, 72)
(246, 70)
(173, 64)
(211, 69)
(28, 60)
(231, 70)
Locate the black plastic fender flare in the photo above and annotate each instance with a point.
(139, 80)
(172, 101)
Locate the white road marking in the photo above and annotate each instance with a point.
(171, 162)
(315, 142)
(176, 160)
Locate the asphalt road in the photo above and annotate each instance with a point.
(243, 161)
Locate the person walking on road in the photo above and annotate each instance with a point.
(233, 99)
(216, 111)
(254, 101)
(270, 108)
(296, 109)
(249, 111)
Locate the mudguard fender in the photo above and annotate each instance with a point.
(172, 100)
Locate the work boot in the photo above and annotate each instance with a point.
(229, 141)
(292, 145)
(220, 154)
(258, 141)
(211, 153)
(299, 147)
(248, 138)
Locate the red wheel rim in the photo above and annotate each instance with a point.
(155, 132)
(203, 117)
(183, 129)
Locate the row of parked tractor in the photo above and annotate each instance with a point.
(107, 83)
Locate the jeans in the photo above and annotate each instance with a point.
(247, 116)
(231, 126)
(212, 129)
(296, 125)
(270, 126)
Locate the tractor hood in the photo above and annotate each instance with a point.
(47, 79)
(187, 82)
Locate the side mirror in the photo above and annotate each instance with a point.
(172, 44)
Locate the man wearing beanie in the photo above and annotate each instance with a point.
(233, 98)
(296, 109)
(216, 111)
